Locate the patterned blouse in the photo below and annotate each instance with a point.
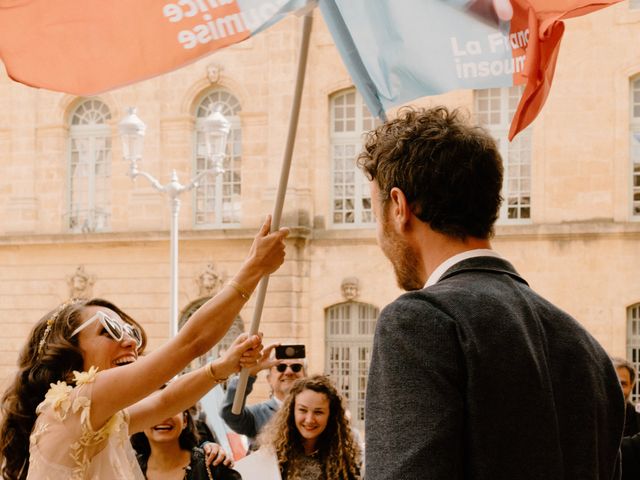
(307, 467)
(64, 445)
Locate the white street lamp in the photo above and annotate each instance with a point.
(216, 130)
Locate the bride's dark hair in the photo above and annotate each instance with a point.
(48, 356)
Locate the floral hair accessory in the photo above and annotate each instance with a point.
(50, 321)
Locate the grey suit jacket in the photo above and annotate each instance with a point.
(253, 417)
(478, 377)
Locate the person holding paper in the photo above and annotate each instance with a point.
(310, 435)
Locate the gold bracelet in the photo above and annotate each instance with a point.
(236, 286)
(211, 373)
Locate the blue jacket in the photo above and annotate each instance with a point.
(253, 417)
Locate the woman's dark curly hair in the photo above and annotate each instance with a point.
(449, 171)
(338, 452)
(40, 364)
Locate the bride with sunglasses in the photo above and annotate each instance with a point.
(82, 387)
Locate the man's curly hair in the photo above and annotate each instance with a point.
(449, 170)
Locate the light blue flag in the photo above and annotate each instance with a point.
(400, 50)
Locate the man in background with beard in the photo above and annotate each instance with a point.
(627, 377)
(281, 375)
(473, 375)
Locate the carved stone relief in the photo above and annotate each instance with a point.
(80, 283)
(350, 288)
(210, 281)
(214, 71)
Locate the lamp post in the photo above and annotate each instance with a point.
(216, 129)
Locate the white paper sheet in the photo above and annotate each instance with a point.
(260, 465)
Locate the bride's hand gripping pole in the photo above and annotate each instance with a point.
(238, 400)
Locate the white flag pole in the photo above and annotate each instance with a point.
(238, 400)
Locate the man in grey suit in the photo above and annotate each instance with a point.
(282, 374)
(473, 375)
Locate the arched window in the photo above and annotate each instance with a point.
(89, 167)
(634, 130)
(633, 345)
(237, 327)
(218, 198)
(351, 200)
(494, 109)
(349, 337)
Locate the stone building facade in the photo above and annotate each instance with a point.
(73, 223)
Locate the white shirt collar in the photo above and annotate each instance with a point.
(451, 261)
(277, 400)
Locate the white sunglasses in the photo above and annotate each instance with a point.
(114, 328)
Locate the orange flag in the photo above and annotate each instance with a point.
(85, 47)
(544, 22)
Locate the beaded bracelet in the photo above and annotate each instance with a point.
(238, 288)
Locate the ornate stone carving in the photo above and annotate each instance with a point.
(80, 284)
(350, 288)
(214, 70)
(209, 281)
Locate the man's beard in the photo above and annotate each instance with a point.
(402, 258)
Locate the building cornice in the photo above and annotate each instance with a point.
(568, 230)
(334, 236)
(599, 229)
(228, 234)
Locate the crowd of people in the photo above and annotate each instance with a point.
(83, 386)
(473, 374)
